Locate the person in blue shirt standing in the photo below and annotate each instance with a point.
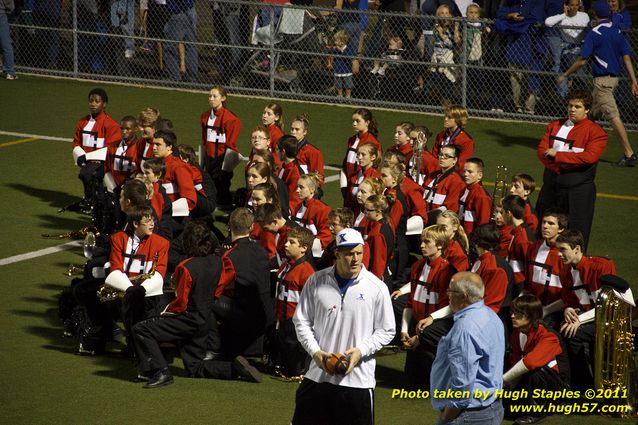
(469, 358)
(608, 48)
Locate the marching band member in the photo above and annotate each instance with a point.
(365, 127)
(456, 252)
(220, 130)
(313, 214)
(121, 159)
(454, 123)
(368, 159)
(309, 157)
(475, 205)
(570, 150)
(93, 132)
(443, 188)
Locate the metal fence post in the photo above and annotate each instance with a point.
(75, 39)
(464, 64)
(272, 50)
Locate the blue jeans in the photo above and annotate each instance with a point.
(492, 415)
(8, 61)
(123, 17)
(182, 27)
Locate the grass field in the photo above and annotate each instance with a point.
(44, 383)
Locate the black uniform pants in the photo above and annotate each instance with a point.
(288, 352)
(221, 178)
(91, 174)
(418, 362)
(188, 329)
(328, 404)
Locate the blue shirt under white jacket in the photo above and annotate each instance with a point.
(606, 46)
(469, 358)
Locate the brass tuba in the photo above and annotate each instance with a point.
(107, 293)
(613, 358)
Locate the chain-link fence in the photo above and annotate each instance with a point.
(402, 61)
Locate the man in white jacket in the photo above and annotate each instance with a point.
(342, 309)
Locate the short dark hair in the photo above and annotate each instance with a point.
(156, 165)
(486, 236)
(561, 216)
(187, 153)
(241, 221)
(582, 95)
(163, 124)
(168, 136)
(303, 235)
(136, 213)
(457, 149)
(135, 191)
(528, 181)
(129, 118)
(267, 213)
(516, 205)
(476, 161)
(288, 144)
(529, 306)
(198, 239)
(572, 237)
(98, 91)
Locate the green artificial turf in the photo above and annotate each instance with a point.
(44, 383)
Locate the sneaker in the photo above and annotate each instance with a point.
(245, 371)
(375, 69)
(128, 53)
(381, 71)
(11, 77)
(147, 46)
(625, 161)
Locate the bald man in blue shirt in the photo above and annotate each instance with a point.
(468, 369)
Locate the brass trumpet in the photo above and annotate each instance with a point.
(107, 293)
(74, 270)
(77, 234)
(501, 188)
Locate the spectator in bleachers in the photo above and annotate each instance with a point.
(231, 26)
(123, 22)
(8, 71)
(524, 51)
(446, 38)
(567, 43)
(620, 16)
(352, 23)
(181, 26)
(46, 13)
(343, 66)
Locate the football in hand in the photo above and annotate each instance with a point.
(337, 364)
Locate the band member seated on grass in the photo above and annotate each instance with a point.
(121, 159)
(204, 185)
(92, 132)
(581, 278)
(522, 236)
(475, 205)
(178, 181)
(185, 319)
(537, 360)
(542, 265)
(428, 300)
(444, 188)
(268, 217)
(137, 251)
(244, 306)
(523, 185)
(290, 359)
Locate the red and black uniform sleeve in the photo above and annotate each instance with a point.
(290, 285)
(530, 217)
(461, 139)
(457, 257)
(310, 159)
(542, 276)
(537, 349)
(183, 284)
(178, 181)
(517, 253)
(495, 280)
(350, 165)
(506, 238)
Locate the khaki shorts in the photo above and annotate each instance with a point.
(604, 103)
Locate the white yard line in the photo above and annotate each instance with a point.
(40, 253)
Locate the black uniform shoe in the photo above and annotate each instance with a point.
(529, 420)
(161, 378)
(245, 371)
